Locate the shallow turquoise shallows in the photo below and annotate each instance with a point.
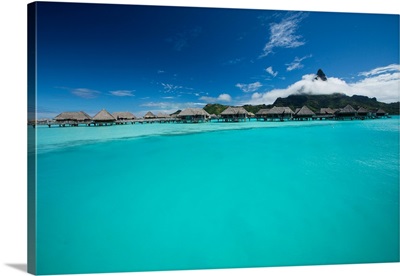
(217, 195)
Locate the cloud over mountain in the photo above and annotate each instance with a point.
(382, 83)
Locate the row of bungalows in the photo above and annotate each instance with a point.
(103, 117)
(349, 112)
(305, 113)
(230, 114)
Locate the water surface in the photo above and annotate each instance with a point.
(217, 195)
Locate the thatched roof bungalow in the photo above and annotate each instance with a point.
(214, 117)
(363, 113)
(347, 112)
(149, 115)
(280, 112)
(304, 113)
(73, 118)
(103, 117)
(262, 113)
(234, 114)
(381, 113)
(325, 113)
(78, 116)
(193, 115)
(161, 115)
(123, 116)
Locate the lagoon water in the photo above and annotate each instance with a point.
(217, 195)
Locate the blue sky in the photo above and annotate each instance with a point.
(141, 58)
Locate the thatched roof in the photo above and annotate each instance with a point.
(262, 111)
(362, 110)
(326, 111)
(380, 111)
(305, 111)
(234, 111)
(103, 116)
(213, 116)
(193, 112)
(347, 109)
(149, 115)
(73, 116)
(163, 115)
(280, 110)
(123, 115)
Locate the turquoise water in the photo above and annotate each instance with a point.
(217, 195)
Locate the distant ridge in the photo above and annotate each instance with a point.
(315, 102)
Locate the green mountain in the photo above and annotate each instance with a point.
(337, 100)
(215, 108)
(315, 102)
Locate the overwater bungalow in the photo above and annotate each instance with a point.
(72, 118)
(348, 112)
(234, 114)
(123, 117)
(214, 117)
(103, 117)
(380, 113)
(325, 113)
(281, 113)
(262, 114)
(363, 113)
(304, 113)
(149, 115)
(193, 115)
(161, 115)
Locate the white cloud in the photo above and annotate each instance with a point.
(221, 98)
(168, 98)
(168, 88)
(381, 70)
(224, 97)
(385, 87)
(122, 93)
(251, 87)
(85, 93)
(271, 72)
(283, 34)
(296, 63)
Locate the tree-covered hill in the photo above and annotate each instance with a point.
(315, 102)
(337, 100)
